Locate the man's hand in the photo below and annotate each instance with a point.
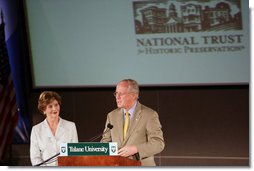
(127, 151)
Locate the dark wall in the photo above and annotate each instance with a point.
(202, 125)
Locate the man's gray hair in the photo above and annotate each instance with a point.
(132, 85)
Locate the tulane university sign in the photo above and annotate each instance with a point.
(88, 148)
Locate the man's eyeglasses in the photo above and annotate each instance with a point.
(116, 94)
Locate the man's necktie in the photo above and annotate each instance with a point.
(126, 124)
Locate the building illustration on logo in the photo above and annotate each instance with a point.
(180, 16)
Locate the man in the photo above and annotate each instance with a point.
(137, 129)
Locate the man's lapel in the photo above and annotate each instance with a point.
(119, 124)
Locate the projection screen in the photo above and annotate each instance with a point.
(87, 43)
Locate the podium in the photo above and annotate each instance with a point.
(96, 161)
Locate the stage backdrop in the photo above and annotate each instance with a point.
(171, 42)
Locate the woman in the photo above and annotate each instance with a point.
(47, 136)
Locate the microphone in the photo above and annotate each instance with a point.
(109, 127)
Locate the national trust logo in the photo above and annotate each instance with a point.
(180, 16)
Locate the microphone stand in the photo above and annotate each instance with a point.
(48, 159)
(109, 127)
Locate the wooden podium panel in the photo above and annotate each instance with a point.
(96, 161)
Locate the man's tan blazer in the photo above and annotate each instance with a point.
(144, 132)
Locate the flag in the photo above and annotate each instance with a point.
(8, 107)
